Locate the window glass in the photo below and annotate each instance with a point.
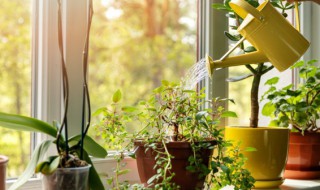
(15, 77)
(136, 44)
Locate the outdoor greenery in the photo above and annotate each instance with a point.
(296, 106)
(135, 44)
(173, 114)
(15, 77)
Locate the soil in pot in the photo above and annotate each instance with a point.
(181, 151)
(67, 179)
(3, 166)
(303, 157)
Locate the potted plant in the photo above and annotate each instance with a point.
(3, 165)
(72, 167)
(271, 143)
(298, 109)
(175, 146)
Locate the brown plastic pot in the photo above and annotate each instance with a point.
(304, 156)
(3, 165)
(181, 151)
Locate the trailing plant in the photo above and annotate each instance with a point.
(174, 114)
(72, 151)
(299, 106)
(262, 68)
(231, 172)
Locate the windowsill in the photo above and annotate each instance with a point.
(106, 166)
(290, 184)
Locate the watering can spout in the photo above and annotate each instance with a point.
(250, 58)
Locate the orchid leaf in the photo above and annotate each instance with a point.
(23, 123)
(94, 178)
(93, 148)
(36, 157)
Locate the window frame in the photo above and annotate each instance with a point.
(46, 80)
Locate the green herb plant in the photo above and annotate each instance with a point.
(174, 114)
(262, 68)
(298, 107)
(112, 127)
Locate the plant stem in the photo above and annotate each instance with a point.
(85, 95)
(168, 165)
(65, 83)
(254, 119)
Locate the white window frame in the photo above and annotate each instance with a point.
(46, 91)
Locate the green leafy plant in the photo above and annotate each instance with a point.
(262, 68)
(174, 114)
(298, 107)
(113, 130)
(72, 151)
(231, 171)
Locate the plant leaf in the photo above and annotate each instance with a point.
(99, 111)
(23, 123)
(116, 96)
(231, 37)
(272, 81)
(268, 109)
(229, 114)
(129, 108)
(250, 149)
(93, 148)
(37, 155)
(94, 178)
(250, 49)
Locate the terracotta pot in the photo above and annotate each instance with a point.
(181, 151)
(3, 165)
(67, 179)
(304, 156)
(267, 163)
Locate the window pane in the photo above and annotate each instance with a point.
(136, 44)
(15, 77)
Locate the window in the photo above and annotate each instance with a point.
(137, 44)
(109, 69)
(15, 77)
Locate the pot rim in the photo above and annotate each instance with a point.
(258, 128)
(3, 159)
(181, 144)
(75, 168)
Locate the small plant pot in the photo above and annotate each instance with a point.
(267, 163)
(303, 158)
(181, 151)
(67, 179)
(3, 166)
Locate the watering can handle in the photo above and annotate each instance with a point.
(296, 11)
(242, 8)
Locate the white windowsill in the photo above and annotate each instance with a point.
(105, 166)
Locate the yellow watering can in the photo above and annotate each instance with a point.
(274, 38)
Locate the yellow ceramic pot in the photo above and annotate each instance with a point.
(267, 163)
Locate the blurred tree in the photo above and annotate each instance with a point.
(135, 44)
(15, 77)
